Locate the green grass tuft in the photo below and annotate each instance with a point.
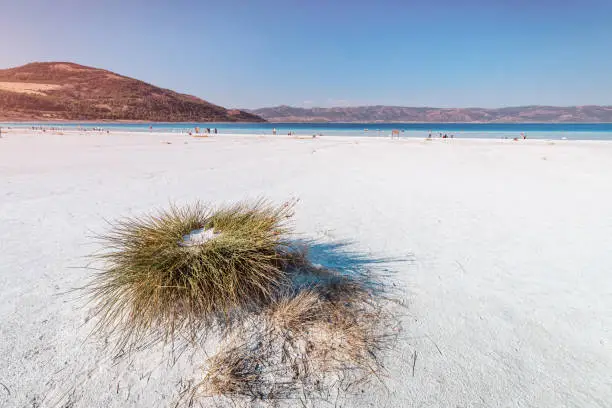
(152, 284)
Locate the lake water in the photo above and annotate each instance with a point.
(570, 131)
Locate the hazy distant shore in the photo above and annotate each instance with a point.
(407, 114)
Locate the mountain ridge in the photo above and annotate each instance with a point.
(42, 91)
(387, 113)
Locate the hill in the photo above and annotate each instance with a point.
(43, 91)
(534, 114)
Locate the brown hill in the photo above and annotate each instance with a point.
(43, 91)
(524, 114)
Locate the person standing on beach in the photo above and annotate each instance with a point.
(274, 131)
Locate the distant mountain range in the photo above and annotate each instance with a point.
(48, 91)
(67, 91)
(379, 113)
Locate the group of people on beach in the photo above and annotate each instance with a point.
(61, 129)
(451, 136)
(78, 128)
(523, 136)
(207, 131)
(290, 133)
(44, 129)
(443, 136)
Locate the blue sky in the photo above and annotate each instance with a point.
(327, 53)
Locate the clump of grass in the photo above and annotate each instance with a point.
(337, 326)
(155, 282)
(235, 371)
(243, 368)
(304, 344)
(294, 313)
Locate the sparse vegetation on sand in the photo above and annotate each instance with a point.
(159, 280)
(306, 344)
(290, 329)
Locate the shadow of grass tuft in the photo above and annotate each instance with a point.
(328, 331)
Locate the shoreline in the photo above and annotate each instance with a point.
(412, 138)
(557, 131)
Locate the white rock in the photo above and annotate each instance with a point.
(198, 237)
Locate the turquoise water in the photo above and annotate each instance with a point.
(571, 131)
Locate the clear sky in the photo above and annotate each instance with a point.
(248, 54)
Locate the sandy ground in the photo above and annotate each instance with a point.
(503, 251)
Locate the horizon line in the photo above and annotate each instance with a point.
(429, 107)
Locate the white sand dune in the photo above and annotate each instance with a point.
(508, 283)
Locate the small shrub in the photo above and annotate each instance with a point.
(157, 280)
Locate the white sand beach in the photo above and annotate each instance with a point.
(502, 251)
